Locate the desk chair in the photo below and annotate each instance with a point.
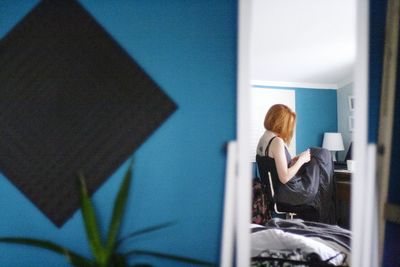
(287, 214)
(305, 212)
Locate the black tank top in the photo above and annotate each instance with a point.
(267, 164)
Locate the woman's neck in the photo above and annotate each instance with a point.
(271, 133)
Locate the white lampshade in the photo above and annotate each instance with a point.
(333, 141)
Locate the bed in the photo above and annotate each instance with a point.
(296, 242)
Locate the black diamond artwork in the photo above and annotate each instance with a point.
(71, 99)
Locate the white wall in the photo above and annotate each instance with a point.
(261, 99)
(343, 94)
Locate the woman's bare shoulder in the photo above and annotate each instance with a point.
(278, 141)
(277, 144)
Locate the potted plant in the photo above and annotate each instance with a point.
(105, 253)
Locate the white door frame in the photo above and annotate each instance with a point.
(243, 178)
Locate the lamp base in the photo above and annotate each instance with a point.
(333, 156)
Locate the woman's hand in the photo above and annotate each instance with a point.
(293, 161)
(305, 156)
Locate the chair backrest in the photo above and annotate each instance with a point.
(271, 196)
(271, 185)
(288, 214)
(262, 173)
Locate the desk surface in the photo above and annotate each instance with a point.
(343, 171)
(342, 175)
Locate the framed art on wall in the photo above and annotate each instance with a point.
(351, 103)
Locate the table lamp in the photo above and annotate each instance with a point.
(333, 142)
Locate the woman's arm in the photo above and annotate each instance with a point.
(277, 149)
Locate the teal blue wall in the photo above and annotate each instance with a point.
(189, 49)
(316, 111)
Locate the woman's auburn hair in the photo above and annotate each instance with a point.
(280, 119)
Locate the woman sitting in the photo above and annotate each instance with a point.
(304, 181)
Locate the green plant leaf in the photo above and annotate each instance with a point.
(118, 210)
(117, 260)
(75, 259)
(91, 226)
(144, 231)
(168, 256)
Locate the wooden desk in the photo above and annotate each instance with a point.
(343, 185)
(343, 196)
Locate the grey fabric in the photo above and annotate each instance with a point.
(313, 185)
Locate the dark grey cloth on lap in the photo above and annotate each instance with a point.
(313, 185)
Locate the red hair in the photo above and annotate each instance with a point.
(280, 119)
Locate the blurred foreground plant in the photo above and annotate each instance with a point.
(104, 253)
